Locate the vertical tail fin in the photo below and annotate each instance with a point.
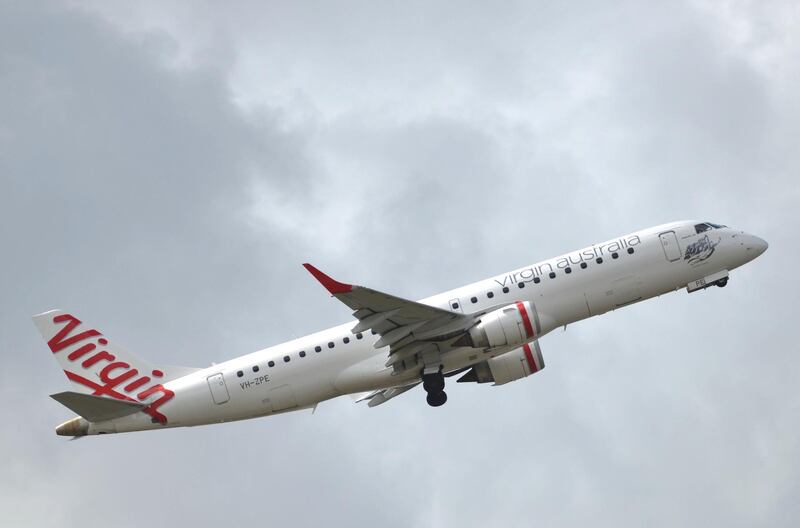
(96, 366)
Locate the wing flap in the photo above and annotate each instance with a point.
(371, 319)
(96, 408)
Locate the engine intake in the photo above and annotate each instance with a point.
(511, 366)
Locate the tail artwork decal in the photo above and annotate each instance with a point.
(86, 355)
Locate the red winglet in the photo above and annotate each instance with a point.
(331, 285)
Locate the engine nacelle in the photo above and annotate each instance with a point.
(508, 326)
(511, 366)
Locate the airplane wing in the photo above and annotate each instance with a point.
(410, 329)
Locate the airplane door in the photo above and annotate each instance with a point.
(601, 298)
(281, 398)
(626, 291)
(670, 244)
(219, 391)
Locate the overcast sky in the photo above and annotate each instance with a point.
(165, 168)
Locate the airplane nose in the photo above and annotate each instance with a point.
(757, 245)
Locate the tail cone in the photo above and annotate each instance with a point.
(76, 427)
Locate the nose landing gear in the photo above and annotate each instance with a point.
(719, 278)
(434, 386)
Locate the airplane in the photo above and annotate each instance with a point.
(485, 332)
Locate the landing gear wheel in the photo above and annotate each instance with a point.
(722, 282)
(436, 399)
(433, 383)
(434, 386)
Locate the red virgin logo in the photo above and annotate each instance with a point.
(85, 350)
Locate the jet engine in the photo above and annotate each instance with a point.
(507, 326)
(511, 366)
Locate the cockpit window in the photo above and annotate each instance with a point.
(706, 226)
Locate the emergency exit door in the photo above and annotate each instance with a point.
(670, 244)
(455, 305)
(219, 391)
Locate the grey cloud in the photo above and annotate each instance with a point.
(412, 150)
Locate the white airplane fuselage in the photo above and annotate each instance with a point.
(299, 374)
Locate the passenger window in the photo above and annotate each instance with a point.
(521, 285)
(552, 275)
(302, 353)
(490, 295)
(359, 335)
(537, 280)
(599, 260)
(473, 300)
(240, 373)
(583, 265)
(330, 344)
(615, 255)
(373, 331)
(318, 349)
(255, 368)
(505, 289)
(567, 270)
(630, 251)
(455, 306)
(271, 364)
(286, 359)
(346, 340)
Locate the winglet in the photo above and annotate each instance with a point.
(330, 284)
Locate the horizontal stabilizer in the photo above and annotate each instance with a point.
(97, 408)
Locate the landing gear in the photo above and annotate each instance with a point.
(434, 386)
(433, 383)
(436, 399)
(722, 282)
